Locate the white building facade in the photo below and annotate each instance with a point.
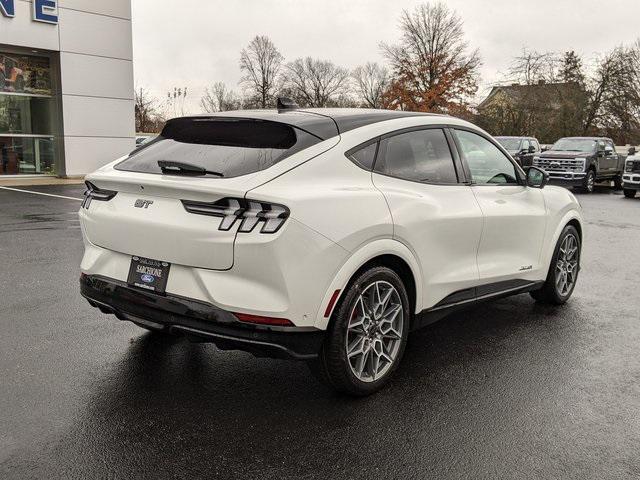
(66, 85)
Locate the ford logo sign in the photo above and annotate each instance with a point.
(147, 278)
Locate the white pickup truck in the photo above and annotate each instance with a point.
(631, 175)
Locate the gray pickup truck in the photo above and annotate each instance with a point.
(522, 149)
(580, 162)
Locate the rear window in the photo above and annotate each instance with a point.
(230, 146)
(509, 143)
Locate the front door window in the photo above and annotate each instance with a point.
(487, 164)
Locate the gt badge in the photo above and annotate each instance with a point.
(142, 203)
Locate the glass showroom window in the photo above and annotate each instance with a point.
(26, 116)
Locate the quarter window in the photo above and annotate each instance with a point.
(488, 165)
(365, 156)
(420, 156)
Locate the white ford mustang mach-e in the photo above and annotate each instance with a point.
(324, 235)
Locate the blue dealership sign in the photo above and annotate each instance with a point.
(45, 11)
(8, 8)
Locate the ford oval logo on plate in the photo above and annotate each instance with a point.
(147, 278)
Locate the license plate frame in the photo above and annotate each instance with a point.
(148, 274)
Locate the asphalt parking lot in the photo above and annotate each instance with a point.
(507, 390)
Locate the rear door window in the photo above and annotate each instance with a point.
(420, 156)
(230, 146)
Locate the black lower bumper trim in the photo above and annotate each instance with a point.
(631, 186)
(199, 321)
(566, 182)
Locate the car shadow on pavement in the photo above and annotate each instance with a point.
(192, 410)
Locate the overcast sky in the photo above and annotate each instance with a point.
(199, 41)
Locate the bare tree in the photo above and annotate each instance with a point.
(600, 88)
(614, 105)
(146, 111)
(315, 83)
(260, 64)
(176, 99)
(433, 69)
(532, 67)
(219, 98)
(372, 80)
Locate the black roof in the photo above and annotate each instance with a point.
(323, 123)
(351, 118)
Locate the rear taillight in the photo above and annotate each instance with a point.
(250, 213)
(95, 193)
(259, 320)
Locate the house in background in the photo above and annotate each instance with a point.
(547, 111)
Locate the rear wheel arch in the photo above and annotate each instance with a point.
(388, 253)
(398, 265)
(577, 225)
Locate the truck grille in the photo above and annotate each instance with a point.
(560, 164)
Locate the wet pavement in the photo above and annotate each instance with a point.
(506, 390)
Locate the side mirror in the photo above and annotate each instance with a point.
(608, 151)
(632, 151)
(532, 149)
(544, 148)
(536, 177)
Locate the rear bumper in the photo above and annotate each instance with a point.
(199, 321)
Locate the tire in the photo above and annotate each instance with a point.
(589, 182)
(617, 183)
(354, 324)
(629, 193)
(563, 266)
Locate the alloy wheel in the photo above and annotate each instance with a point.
(567, 265)
(374, 331)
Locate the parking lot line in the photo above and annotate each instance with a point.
(40, 193)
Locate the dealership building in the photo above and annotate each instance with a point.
(66, 85)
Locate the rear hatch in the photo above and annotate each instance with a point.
(137, 205)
